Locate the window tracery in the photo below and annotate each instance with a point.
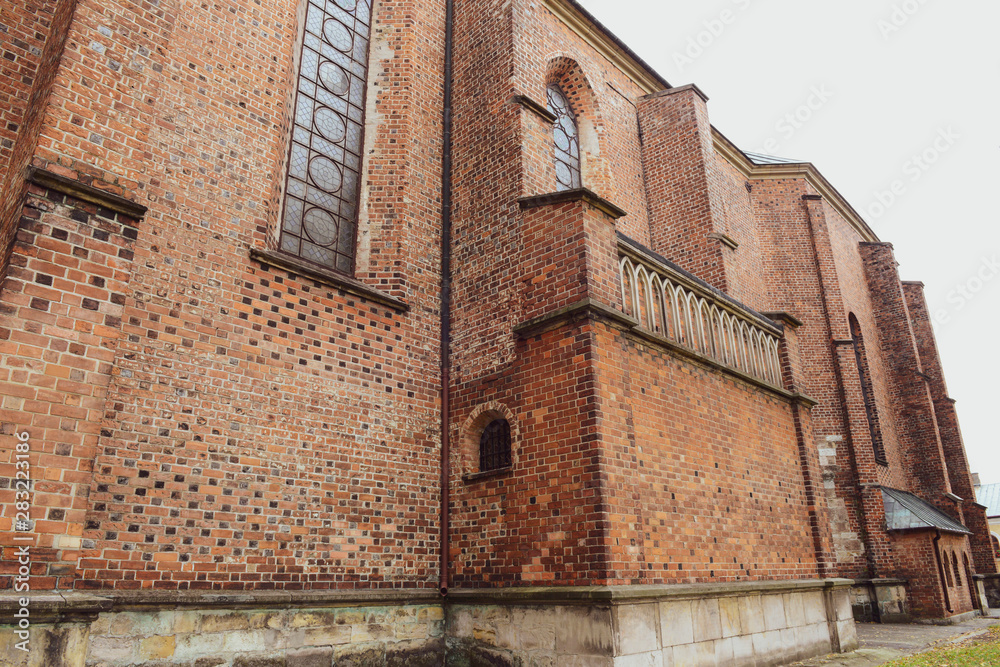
(319, 219)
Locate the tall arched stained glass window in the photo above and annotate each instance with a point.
(324, 163)
(567, 140)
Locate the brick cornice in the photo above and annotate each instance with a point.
(579, 194)
(801, 170)
(84, 192)
(577, 310)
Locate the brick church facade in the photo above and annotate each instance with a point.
(394, 333)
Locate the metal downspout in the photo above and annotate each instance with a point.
(446, 294)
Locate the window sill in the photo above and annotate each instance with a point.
(327, 277)
(476, 476)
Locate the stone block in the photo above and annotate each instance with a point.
(752, 615)
(415, 654)
(529, 630)
(707, 622)
(247, 641)
(332, 635)
(795, 613)
(157, 648)
(411, 630)
(112, 649)
(814, 606)
(743, 653)
(370, 633)
(636, 626)
(584, 631)
(460, 622)
(435, 613)
(848, 633)
(185, 622)
(350, 617)
(199, 645)
(51, 646)
(774, 612)
(676, 623)
(309, 657)
(213, 661)
(702, 653)
(767, 647)
(358, 656)
(225, 621)
(724, 651)
(729, 615)
(273, 660)
(647, 659)
(842, 604)
(312, 619)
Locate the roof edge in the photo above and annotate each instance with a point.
(592, 31)
(804, 170)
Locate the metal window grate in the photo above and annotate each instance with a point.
(494, 446)
(324, 160)
(567, 141)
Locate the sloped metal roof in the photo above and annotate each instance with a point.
(905, 511)
(989, 495)
(761, 159)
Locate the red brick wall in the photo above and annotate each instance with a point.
(33, 36)
(703, 472)
(957, 463)
(261, 430)
(919, 564)
(60, 326)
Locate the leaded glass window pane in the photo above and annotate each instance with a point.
(567, 141)
(321, 194)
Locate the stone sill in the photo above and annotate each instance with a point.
(477, 476)
(327, 277)
(633, 594)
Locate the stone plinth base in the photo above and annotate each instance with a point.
(880, 601)
(764, 623)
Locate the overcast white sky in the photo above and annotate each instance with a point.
(902, 93)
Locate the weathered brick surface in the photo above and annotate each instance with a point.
(33, 36)
(63, 303)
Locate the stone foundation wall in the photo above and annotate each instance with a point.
(880, 600)
(760, 623)
(991, 586)
(763, 623)
(238, 631)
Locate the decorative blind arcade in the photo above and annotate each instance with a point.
(324, 165)
(676, 308)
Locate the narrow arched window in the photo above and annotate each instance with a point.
(996, 546)
(868, 391)
(954, 565)
(494, 446)
(567, 140)
(324, 160)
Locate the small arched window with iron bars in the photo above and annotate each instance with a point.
(566, 136)
(494, 446)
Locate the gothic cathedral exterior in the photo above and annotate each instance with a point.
(380, 332)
